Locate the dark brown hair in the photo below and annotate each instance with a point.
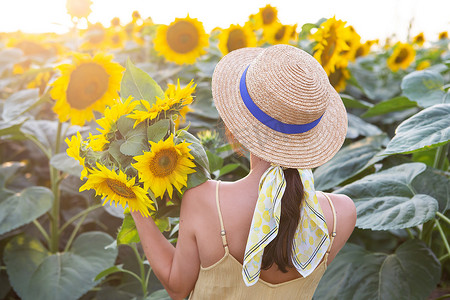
(279, 250)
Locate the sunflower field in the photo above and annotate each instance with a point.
(87, 115)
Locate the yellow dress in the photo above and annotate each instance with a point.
(223, 280)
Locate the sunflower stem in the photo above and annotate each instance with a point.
(441, 154)
(42, 231)
(142, 270)
(78, 215)
(74, 233)
(54, 179)
(444, 238)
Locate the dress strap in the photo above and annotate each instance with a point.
(333, 232)
(222, 228)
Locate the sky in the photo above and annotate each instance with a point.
(371, 19)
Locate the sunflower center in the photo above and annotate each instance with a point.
(403, 54)
(336, 77)
(88, 83)
(236, 40)
(120, 188)
(268, 16)
(280, 33)
(164, 162)
(182, 37)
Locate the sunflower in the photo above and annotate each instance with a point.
(166, 166)
(419, 39)
(115, 22)
(108, 123)
(443, 35)
(175, 98)
(423, 64)
(402, 56)
(364, 49)
(353, 42)
(279, 33)
(116, 187)
(74, 151)
(236, 37)
(339, 77)
(95, 37)
(266, 17)
(116, 38)
(89, 84)
(40, 81)
(182, 41)
(331, 37)
(79, 8)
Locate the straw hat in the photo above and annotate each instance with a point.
(280, 105)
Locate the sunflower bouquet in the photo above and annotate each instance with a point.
(138, 158)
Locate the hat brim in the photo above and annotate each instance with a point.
(303, 150)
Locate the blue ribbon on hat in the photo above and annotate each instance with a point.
(268, 120)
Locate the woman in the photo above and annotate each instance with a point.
(268, 235)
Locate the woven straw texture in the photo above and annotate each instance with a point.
(289, 85)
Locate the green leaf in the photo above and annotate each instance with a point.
(108, 271)
(163, 224)
(215, 161)
(357, 127)
(427, 129)
(434, 183)
(351, 102)
(198, 177)
(159, 295)
(19, 103)
(128, 233)
(384, 107)
(36, 274)
(24, 207)
(228, 169)
(67, 164)
(348, 162)
(425, 87)
(412, 272)
(158, 131)
(43, 130)
(197, 150)
(139, 84)
(11, 128)
(386, 200)
(8, 170)
(135, 138)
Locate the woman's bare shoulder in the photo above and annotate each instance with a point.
(198, 195)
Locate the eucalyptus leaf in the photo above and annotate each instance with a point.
(386, 200)
(384, 107)
(158, 131)
(24, 207)
(19, 103)
(37, 274)
(349, 161)
(427, 129)
(67, 164)
(139, 85)
(412, 272)
(425, 87)
(128, 233)
(357, 127)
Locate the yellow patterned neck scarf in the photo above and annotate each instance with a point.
(311, 238)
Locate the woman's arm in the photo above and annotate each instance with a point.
(176, 268)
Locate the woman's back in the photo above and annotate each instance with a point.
(237, 204)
